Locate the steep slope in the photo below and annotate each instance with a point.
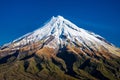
(60, 50)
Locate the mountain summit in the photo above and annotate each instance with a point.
(59, 31)
(61, 47)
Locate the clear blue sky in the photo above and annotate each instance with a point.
(18, 17)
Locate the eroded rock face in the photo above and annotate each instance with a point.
(69, 62)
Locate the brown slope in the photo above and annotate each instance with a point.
(71, 62)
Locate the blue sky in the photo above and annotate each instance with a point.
(18, 17)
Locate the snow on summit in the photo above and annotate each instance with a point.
(62, 30)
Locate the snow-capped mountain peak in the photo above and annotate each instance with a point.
(60, 47)
(60, 31)
(60, 28)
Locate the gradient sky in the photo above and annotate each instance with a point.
(18, 17)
